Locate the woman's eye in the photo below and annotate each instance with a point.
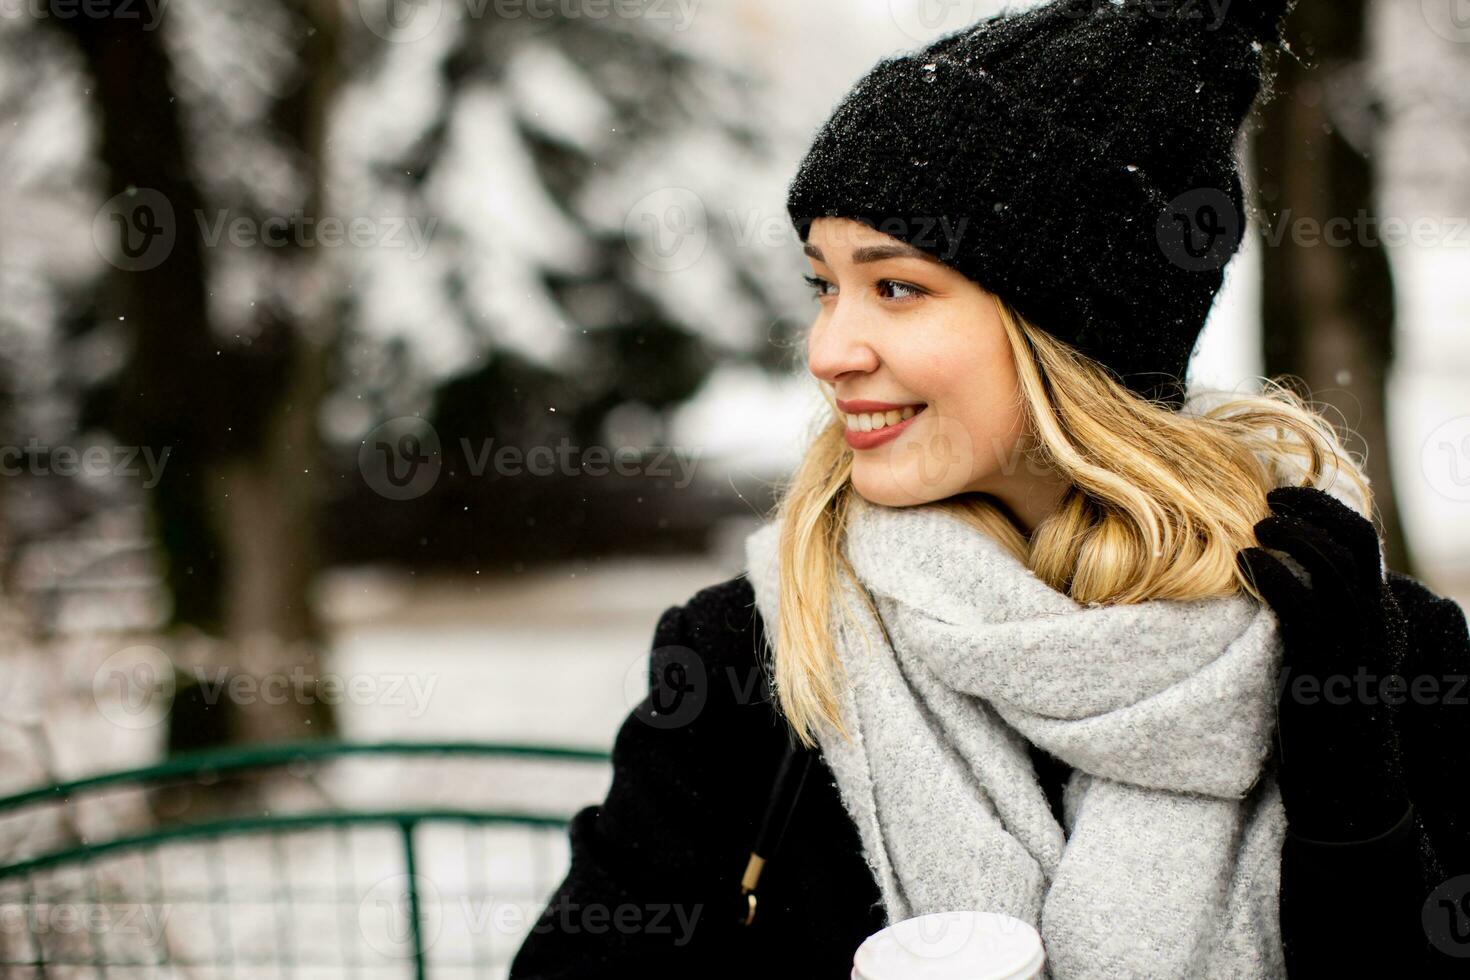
(902, 290)
(887, 288)
(818, 284)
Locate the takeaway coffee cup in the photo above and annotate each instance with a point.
(960, 945)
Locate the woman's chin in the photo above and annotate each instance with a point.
(877, 482)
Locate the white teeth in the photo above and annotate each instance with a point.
(868, 421)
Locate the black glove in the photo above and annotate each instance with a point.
(1345, 639)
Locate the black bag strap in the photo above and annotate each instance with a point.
(796, 762)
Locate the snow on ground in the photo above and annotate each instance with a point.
(557, 656)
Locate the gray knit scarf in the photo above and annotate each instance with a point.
(1167, 862)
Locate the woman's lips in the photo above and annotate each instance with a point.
(858, 439)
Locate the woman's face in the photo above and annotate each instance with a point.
(902, 335)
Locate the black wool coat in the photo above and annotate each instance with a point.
(653, 887)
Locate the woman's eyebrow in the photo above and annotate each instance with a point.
(875, 253)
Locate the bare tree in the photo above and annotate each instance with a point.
(236, 507)
(1328, 308)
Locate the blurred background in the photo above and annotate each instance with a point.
(435, 347)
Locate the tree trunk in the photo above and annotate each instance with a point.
(235, 509)
(173, 374)
(1327, 291)
(268, 512)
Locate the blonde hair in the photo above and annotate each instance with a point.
(1159, 502)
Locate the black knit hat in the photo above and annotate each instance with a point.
(1076, 158)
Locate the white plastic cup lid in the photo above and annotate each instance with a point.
(959, 945)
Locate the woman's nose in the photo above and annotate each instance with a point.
(839, 345)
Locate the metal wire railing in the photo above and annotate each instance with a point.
(411, 892)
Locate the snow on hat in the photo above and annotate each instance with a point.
(1076, 158)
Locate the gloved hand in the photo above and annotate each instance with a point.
(1345, 640)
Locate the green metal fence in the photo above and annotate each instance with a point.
(333, 892)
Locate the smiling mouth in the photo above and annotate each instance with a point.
(876, 421)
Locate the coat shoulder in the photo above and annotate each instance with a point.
(723, 616)
(713, 648)
(1431, 616)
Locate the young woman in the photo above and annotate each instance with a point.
(1017, 602)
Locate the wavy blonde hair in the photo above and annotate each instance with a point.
(1160, 502)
